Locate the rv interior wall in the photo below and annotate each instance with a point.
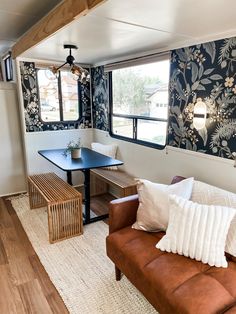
(35, 141)
(159, 166)
(11, 158)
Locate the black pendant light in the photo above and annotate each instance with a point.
(79, 72)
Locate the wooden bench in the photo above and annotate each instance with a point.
(101, 179)
(64, 205)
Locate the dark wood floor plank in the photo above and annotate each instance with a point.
(3, 254)
(5, 218)
(22, 236)
(18, 260)
(52, 295)
(41, 275)
(56, 304)
(7, 203)
(33, 298)
(10, 300)
(99, 204)
(24, 270)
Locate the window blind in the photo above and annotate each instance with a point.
(137, 61)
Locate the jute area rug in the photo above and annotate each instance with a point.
(79, 267)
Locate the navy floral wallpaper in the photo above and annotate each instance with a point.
(205, 72)
(100, 98)
(31, 104)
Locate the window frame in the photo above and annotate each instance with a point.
(135, 119)
(80, 111)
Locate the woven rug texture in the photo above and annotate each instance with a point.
(79, 268)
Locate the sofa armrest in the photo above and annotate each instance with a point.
(122, 212)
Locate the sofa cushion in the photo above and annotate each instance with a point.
(172, 283)
(208, 194)
(133, 240)
(197, 231)
(153, 211)
(108, 150)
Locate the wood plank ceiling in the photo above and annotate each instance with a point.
(119, 28)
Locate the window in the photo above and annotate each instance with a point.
(8, 68)
(139, 103)
(58, 97)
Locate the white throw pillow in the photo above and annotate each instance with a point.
(208, 194)
(153, 210)
(108, 150)
(197, 231)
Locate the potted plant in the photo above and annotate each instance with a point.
(74, 148)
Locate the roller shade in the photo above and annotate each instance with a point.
(137, 61)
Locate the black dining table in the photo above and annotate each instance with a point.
(89, 160)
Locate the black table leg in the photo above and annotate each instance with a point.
(87, 195)
(69, 177)
(87, 217)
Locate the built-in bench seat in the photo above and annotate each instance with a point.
(102, 180)
(64, 205)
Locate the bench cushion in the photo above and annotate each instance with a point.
(108, 150)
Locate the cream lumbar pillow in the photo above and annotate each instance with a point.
(197, 231)
(108, 150)
(204, 193)
(153, 211)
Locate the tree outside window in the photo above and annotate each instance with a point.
(134, 94)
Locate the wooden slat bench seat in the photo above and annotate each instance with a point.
(102, 179)
(64, 205)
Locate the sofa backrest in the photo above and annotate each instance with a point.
(177, 179)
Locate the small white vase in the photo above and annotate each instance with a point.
(76, 153)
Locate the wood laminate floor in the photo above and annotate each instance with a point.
(24, 284)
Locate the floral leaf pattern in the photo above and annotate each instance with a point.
(100, 98)
(33, 123)
(204, 72)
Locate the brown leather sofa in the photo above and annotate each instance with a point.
(170, 282)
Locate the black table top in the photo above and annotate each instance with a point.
(89, 159)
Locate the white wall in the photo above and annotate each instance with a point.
(35, 141)
(162, 165)
(12, 177)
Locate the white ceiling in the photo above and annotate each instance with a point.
(120, 28)
(17, 16)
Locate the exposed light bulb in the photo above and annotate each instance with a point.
(80, 74)
(199, 116)
(77, 70)
(54, 71)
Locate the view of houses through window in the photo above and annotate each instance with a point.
(59, 100)
(139, 109)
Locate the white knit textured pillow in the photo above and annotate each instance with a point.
(153, 211)
(208, 194)
(108, 150)
(197, 231)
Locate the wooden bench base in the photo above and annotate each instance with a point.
(101, 179)
(64, 205)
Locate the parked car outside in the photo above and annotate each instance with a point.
(48, 107)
